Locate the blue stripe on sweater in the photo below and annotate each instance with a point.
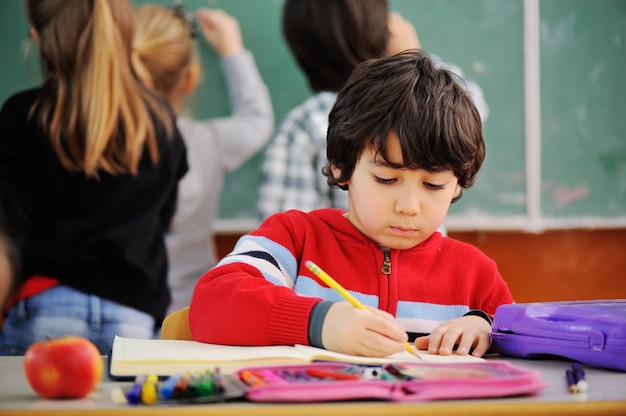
(275, 262)
(419, 317)
(309, 287)
(429, 311)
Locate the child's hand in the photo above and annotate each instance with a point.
(465, 332)
(221, 31)
(402, 35)
(372, 332)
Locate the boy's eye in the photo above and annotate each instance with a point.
(432, 186)
(383, 180)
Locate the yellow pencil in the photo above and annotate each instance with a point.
(332, 283)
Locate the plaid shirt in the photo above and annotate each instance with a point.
(291, 172)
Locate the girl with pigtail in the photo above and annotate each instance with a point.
(89, 168)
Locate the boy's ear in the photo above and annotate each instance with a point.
(191, 78)
(337, 173)
(457, 192)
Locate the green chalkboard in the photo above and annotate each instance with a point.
(583, 97)
(583, 107)
(485, 39)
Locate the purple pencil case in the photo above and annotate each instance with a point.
(591, 332)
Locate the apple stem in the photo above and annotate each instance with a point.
(48, 337)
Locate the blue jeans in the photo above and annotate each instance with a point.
(61, 311)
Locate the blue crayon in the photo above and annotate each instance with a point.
(571, 381)
(166, 390)
(579, 376)
(133, 396)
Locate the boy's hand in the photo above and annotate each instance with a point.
(372, 332)
(221, 31)
(466, 332)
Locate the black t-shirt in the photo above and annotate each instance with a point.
(103, 236)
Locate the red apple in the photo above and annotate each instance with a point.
(68, 367)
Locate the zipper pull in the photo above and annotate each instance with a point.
(386, 267)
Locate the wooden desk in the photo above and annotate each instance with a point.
(606, 396)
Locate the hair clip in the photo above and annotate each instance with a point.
(179, 11)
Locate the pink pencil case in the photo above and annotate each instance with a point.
(329, 381)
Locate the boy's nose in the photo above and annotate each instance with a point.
(408, 202)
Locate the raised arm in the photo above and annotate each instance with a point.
(251, 123)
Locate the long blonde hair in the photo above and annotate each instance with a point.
(163, 49)
(94, 109)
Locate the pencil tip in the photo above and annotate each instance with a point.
(413, 351)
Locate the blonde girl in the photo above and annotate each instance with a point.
(89, 165)
(166, 59)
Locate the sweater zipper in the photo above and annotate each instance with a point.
(386, 267)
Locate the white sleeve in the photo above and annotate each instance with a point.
(251, 124)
